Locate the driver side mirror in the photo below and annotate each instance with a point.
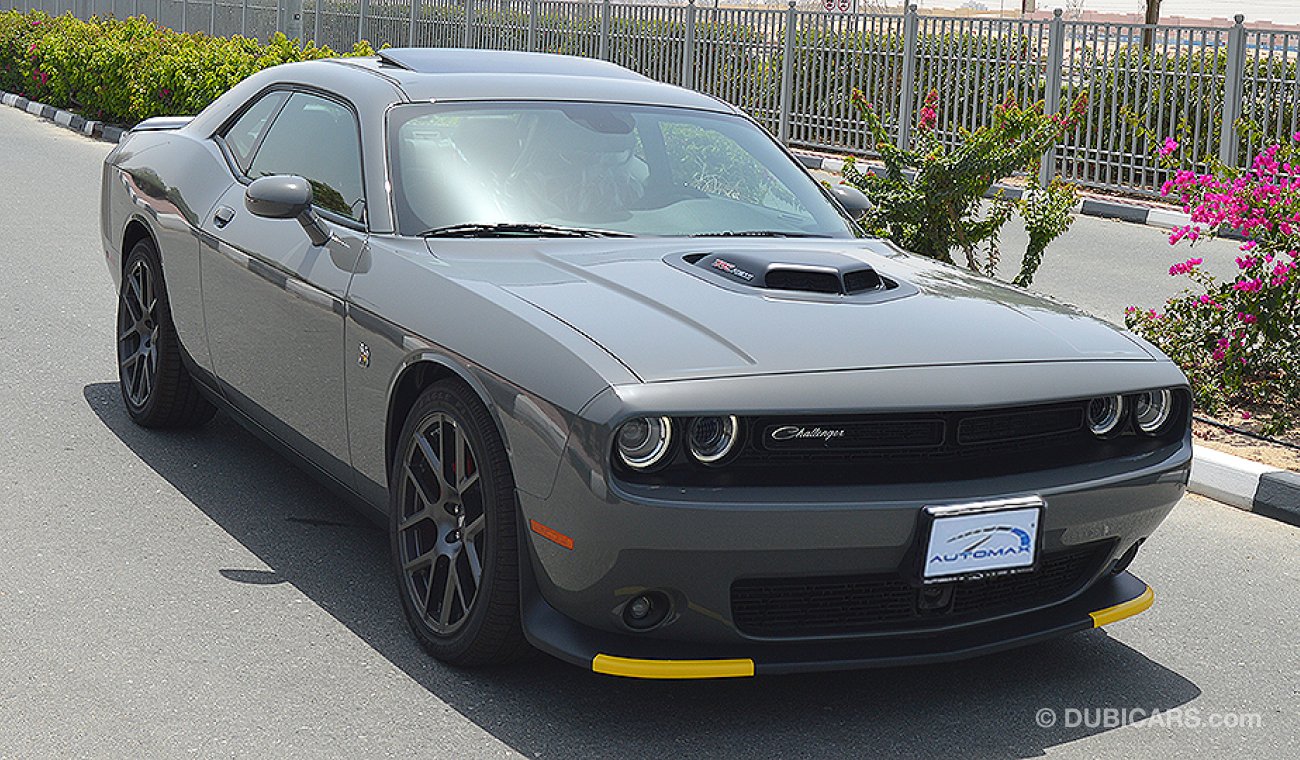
(851, 200)
(286, 196)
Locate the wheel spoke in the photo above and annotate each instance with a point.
(133, 310)
(428, 501)
(449, 593)
(136, 288)
(473, 528)
(137, 381)
(146, 378)
(421, 561)
(460, 469)
(431, 457)
(475, 565)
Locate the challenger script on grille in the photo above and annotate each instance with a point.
(792, 432)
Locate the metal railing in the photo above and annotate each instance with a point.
(793, 69)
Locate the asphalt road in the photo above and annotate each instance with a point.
(191, 593)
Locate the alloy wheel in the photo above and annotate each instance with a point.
(138, 333)
(440, 530)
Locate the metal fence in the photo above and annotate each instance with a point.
(793, 69)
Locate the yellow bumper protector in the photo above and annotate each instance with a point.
(633, 668)
(1124, 610)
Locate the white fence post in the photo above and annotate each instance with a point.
(688, 47)
(911, 25)
(243, 18)
(293, 20)
(212, 17)
(603, 53)
(469, 24)
(787, 76)
(532, 25)
(1232, 92)
(361, 20)
(410, 23)
(1052, 95)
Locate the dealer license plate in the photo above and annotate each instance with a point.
(980, 538)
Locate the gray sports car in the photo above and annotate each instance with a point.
(624, 381)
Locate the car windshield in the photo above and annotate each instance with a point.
(539, 169)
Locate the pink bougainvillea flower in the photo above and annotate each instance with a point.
(1170, 146)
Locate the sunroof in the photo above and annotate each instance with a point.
(460, 61)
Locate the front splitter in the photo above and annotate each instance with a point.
(1111, 599)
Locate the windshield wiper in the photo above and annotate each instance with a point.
(520, 229)
(759, 233)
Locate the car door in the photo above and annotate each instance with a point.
(274, 301)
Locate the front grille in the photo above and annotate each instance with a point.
(785, 607)
(1016, 426)
(909, 447)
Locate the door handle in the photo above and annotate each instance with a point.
(223, 216)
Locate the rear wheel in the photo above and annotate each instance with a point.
(453, 530)
(156, 388)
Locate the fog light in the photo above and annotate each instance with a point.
(639, 608)
(1151, 410)
(646, 610)
(712, 438)
(643, 442)
(1105, 413)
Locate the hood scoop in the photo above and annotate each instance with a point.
(812, 272)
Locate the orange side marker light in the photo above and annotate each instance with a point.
(551, 534)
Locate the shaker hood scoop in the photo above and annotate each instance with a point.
(669, 311)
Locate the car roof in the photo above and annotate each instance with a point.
(425, 74)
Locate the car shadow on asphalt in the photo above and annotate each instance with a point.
(312, 539)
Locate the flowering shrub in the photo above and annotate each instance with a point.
(1238, 341)
(929, 198)
(129, 70)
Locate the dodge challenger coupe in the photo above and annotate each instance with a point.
(623, 381)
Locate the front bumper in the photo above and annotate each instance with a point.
(1111, 599)
(593, 545)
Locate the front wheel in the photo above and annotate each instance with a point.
(453, 531)
(156, 388)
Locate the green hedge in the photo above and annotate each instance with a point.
(126, 71)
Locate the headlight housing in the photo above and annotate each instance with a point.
(1105, 413)
(711, 439)
(1152, 410)
(644, 442)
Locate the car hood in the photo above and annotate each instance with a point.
(665, 319)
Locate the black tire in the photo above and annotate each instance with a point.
(156, 388)
(453, 513)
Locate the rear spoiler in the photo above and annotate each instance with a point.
(162, 123)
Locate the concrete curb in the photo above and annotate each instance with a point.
(66, 119)
(1136, 213)
(1254, 487)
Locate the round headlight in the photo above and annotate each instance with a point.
(712, 438)
(1105, 413)
(1151, 410)
(643, 442)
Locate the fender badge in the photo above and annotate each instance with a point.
(363, 358)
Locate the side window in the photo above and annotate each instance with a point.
(241, 137)
(316, 139)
